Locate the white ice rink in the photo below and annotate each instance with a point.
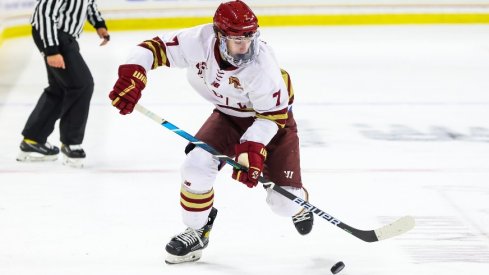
(393, 120)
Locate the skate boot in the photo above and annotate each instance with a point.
(73, 155)
(31, 150)
(304, 220)
(188, 246)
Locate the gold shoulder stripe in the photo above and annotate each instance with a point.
(157, 48)
(150, 46)
(288, 84)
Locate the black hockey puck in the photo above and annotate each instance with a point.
(337, 267)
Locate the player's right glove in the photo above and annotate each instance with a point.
(252, 155)
(127, 89)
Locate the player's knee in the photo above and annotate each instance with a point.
(199, 170)
(283, 206)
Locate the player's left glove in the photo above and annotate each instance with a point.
(252, 155)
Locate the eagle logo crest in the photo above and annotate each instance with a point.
(235, 81)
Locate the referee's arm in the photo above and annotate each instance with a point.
(95, 18)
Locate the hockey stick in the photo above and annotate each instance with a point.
(396, 228)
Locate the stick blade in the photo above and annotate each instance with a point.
(400, 226)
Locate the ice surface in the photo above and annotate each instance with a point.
(393, 120)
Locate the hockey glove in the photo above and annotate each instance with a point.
(252, 155)
(127, 89)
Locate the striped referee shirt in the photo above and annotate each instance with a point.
(51, 16)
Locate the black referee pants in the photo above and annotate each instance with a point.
(66, 98)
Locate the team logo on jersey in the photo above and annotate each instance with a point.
(201, 66)
(235, 81)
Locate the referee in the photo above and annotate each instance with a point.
(56, 25)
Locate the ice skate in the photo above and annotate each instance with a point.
(31, 150)
(188, 246)
(303, 221)
(73, 155)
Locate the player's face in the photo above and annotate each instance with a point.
(239, 50)
(238, 45)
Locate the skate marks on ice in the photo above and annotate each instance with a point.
(310, 136)
(313, 136)
(460, 235)
(400, 132)
(444, 239)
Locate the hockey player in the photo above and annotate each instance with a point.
(232, 68)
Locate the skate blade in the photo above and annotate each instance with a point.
(190, 257)
(35, 157)
(73, 162)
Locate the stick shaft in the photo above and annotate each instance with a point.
(368, 236)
